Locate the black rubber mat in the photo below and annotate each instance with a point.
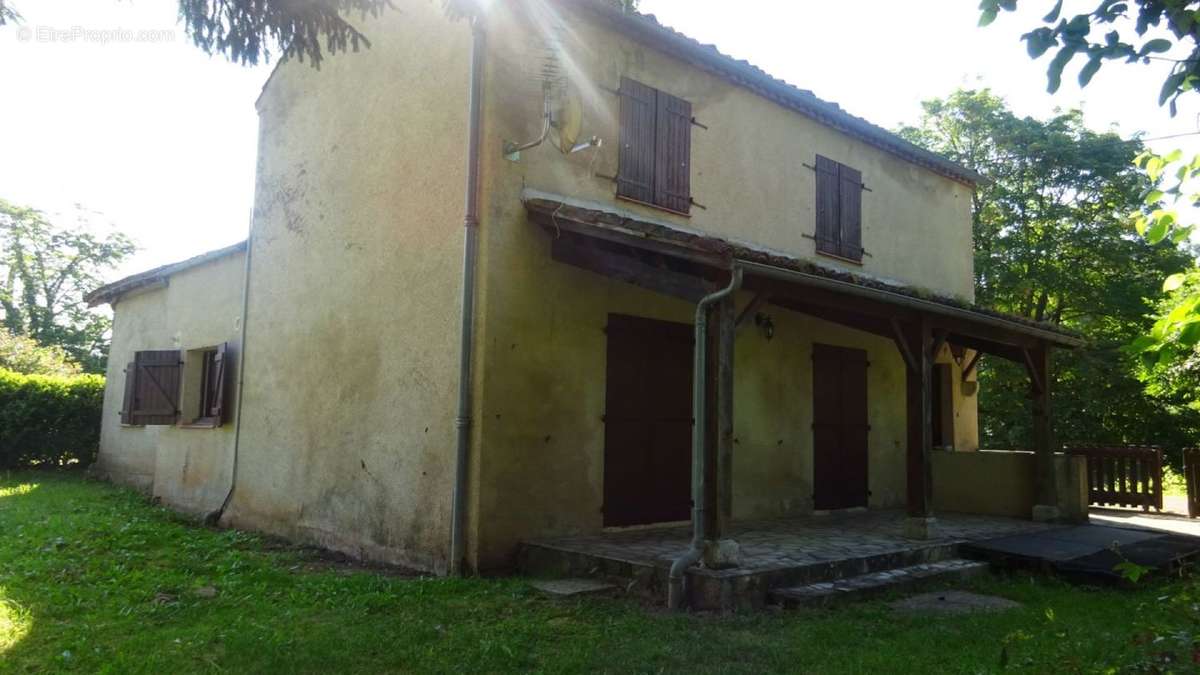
(1088, 551)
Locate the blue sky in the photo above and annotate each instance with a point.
(107, 104)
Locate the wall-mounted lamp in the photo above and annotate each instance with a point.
(765, 324)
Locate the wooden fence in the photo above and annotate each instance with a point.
(1124, 475)
(1191, 472)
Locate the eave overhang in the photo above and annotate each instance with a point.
(852, 299)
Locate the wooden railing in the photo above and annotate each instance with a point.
(1191, 473)
(1123, 475)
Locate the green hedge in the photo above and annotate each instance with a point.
(49, 420)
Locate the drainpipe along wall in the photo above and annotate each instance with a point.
(466, 332)
(700, 440)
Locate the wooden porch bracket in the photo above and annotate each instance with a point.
(751, 309)
(970, 367)
(939, 340)
(1036, 378)
(902, 344)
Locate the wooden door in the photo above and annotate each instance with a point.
(839, 427)
(648, 422)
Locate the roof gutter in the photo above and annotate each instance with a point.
(467, 327)
(803, 278)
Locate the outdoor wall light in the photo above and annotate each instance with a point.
(765, 324)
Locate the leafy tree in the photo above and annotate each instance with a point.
(1053, 244)
(24, 355)
(45, 270)
(1073, 37)
(1169, 350)
(247, 31)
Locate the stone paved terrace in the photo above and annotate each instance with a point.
(775, 552)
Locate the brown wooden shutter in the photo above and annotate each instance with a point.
(635, 171)
(217, 411)
(127, 399)
(673, 154)
(156, 389)
(829, 207)
(851, 212)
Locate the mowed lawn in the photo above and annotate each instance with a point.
(94, 578)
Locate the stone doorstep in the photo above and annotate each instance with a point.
(866, 585)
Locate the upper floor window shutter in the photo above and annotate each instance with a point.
(157, 375)
(829, 207)
(673, 152)
(851, 212)
(127, 399)
(639, 118)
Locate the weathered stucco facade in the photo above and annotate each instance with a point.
(354, 277)
(347, 384)
(543, 385)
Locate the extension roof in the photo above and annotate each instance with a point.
(110, 293)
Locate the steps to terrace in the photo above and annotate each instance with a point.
(864, 586)
(795, 562)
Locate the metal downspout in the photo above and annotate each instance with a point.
(214, 518)
(699, 440)
(466, 332)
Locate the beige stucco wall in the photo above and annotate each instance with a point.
(747, 167)
(538, 466)
(1002, 483)
(199, 307)
(351, 365)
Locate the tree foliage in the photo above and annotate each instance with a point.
(1053, 244)
(1069, 38)
(45, 270)
(24, 355)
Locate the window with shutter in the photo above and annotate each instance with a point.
(654, 159)
(839, 210)
(156, 387)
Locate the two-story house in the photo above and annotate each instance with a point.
(562, 270)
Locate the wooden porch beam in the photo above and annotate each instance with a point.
(1046, 480)
(919, 400)
(572, 251)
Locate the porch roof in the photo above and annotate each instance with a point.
(689, 264)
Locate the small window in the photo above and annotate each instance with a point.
(204, 386)
(839, 210)
(654, 159)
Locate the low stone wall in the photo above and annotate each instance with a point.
(1002, 483)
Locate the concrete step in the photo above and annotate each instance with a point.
(874, 583)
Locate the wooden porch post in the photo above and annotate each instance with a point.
(920, 431)
(1046, 506)
(720, 551)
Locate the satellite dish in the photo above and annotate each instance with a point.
(569, 122)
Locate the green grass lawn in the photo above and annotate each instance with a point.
(95, 579)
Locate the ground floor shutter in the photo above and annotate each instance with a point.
(217, 409)
(157, 375)
(127, 399)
